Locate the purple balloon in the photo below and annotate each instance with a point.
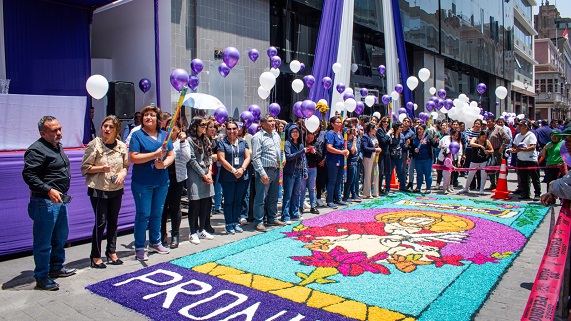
(395, 117)
(196, 65)
(360, 108)
(253, 129)
(491, 114)
(364, 92)
(193, 82)
(297, 109)
(430, 106)
(441, 103)
(410, 105)
(274, 109)
(434, 99)
(276, 61)
(309, 81)
(423, 116)
(230, 56)
(253, 54)
(448, 104)
(347, 96)
(454, 147)
(272, 51)
(340, 88)
(497, 103)
(441, 93)
(255, 110)
(386, 99)
(221, 115)
(399, 88)
(144, 85)
(481, 88)
(402, 111)
(179, 79)
(223, 69)
(307, 108)
(247, 117)
(301, 67)
(327, 83)
(381, 69)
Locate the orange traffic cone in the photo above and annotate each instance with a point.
(501, 191)
(394, 183)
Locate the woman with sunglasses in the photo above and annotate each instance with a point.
(199, 183)
(423, 144)
(383, 136)
(335, 162)
(234, 156)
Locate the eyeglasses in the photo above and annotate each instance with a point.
(385, 122)
(231, 128)
(203, 125)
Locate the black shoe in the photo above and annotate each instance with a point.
(97, 265)
(525, 198)
(210, 230)
(517, 191)
(164, 239)
(64, 272)
(537, 197)
(174, 242)
(110, 261)
(313, 210)
(416, 191)
(47, 284)
(409, 186)
(491, 188)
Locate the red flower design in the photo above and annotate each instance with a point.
(481, 259)
(348, 264)
(451, 260)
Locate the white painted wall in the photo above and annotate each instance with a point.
(125, 34)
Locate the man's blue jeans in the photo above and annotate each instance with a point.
(290, 203)
(352, 177)
(234, 193)
(423, 173)
(50, 231)
(266, 199)
(400, 174)
(308, 184)
(149, 202)
(334, 181)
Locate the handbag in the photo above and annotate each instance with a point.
(396, 152)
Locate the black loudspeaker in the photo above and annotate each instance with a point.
(121, 99)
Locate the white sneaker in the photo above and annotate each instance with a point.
(243, 221)
(306, 205)
(205, 235)
(193, 238)
(288, 222)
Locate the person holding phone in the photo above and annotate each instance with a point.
(47, 173)
(150, 181)
(104, 166)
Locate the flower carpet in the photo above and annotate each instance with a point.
(401, 257)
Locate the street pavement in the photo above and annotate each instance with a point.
(20, 301)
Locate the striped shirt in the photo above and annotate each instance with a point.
(265, 150)
(469, 135)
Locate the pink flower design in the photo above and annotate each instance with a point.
(348, 264)
(482, 259)
(451, 260)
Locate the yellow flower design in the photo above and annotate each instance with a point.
(319, 245)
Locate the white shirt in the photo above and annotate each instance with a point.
(524, 141)
(136, 128)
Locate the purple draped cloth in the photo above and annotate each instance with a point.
(16, 227)
(326, 48)
(403, 61)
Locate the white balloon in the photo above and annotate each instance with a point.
(424, 74)
(336, 67)
(354, 67)
(350, 105)
(463, 98)
(263, 93)
(312, 123)
(370, 100)
(415, 106)
(339, 106)
(457, 102)
(349, 90)
(402, 117)
(434, 115)
(297, 85)
(323, 101)
(474, 104)
(295, 66)
(412, 82)
(267, 81)
(395, 95)
(501, 92)
(444, 110)
(432, 90)
(97, 86)
(520, 116)
(504, 113)
(275, 72)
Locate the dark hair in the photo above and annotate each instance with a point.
(155, 110)
(491, 118)
(396, 126)
(478, 121)
(202, 144)
(333, 119)
(419, 126)
(453, 132)
(43, 120)
(482, 133)
(369, 126)
(232, 121)
(116, 125)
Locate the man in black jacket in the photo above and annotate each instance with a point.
(47, 173)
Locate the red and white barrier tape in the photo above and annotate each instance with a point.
(490, 168)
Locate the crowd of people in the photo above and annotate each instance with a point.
(224, 168)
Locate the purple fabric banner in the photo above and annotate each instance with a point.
(16, 227)
(403, 60)
(169, 292)
(326, 49)
(157, 56)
